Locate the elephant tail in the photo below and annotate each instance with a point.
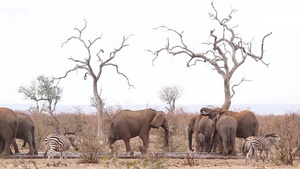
(14, 133)
(24, 144)
(255, 129)
(33, 141)
(111, 137)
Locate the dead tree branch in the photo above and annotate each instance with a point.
(95, 72)
(228, 51)
(235, 85)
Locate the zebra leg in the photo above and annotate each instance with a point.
(65, 157)
(60, 159)
(260, 156)
(267, 155)
(48, 160)
(249, 152)
(50, 155)
(255, 154)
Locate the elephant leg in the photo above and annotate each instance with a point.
(198, 145)
(225, 148)
(14, 143)
(127, 144)
(29, 140)
(111, 142)
(7, 140)
(145, 144)
(2, 143)
(233, 145)
(220, 145)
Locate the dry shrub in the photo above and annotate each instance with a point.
(178, 122)
(287, 126)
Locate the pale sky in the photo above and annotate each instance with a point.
(31, 34)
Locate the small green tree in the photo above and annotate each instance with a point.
(169, 95)
(45, 93)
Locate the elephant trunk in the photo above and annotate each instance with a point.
(166, 127)
(212, 140)
(190, 137)
(204, 111)
(214, 134)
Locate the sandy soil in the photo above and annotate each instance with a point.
(142, 163)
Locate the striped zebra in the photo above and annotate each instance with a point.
(60, 143)
(253, 144)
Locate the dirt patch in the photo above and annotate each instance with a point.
(144, 163)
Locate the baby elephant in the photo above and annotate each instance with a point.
(200, 142)
(60, 143)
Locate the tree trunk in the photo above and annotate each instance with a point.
(227, 102)
(99, 107)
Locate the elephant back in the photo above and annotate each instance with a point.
(247, 123)
(204, 125)
(8, 119)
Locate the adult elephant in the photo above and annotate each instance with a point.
(26, 131)
(200, 124)
(128, 124)
(225, 126)
(247, 121)
(8, 130)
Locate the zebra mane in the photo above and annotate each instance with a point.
(70, 134)
(271, 135)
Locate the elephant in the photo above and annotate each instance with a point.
(26, 131)
(128, 124)
(225, 126)
(200, 142)
(200, 124)
(247, 121)
(8, 130)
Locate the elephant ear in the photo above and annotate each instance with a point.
(224, 112)
(158, 120)
(192, 121)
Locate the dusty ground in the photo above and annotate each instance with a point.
(142, 163)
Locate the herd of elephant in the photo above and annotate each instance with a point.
(15, 125)
(208, 125)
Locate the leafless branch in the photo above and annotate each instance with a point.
(233, 86)
(228, 51)
(117, 69)
(175, 50)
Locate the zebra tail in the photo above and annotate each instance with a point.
(246, 147)
(46, 145)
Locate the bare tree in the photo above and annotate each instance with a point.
(228, 52)
(85, 64)
(169, 95)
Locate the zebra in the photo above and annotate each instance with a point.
(60, 143)
(252, 144)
